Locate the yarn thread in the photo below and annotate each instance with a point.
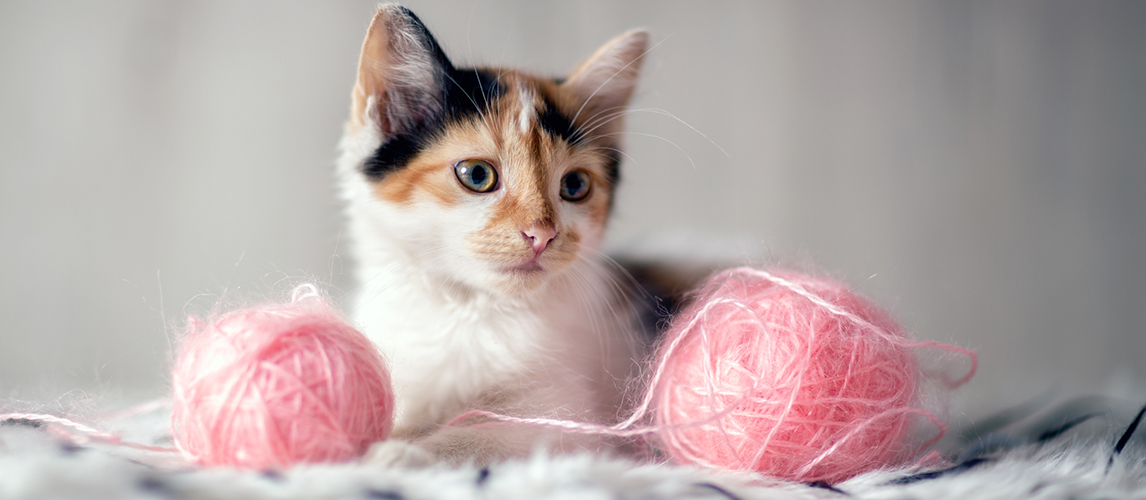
(76, 432)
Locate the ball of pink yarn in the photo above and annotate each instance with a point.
(272, 386)
(788, 375)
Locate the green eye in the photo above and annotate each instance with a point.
(575, 185)
(476, 175)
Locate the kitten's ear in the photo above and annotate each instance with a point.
(606, 80)
(401, 73)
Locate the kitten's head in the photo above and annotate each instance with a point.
(488, 177)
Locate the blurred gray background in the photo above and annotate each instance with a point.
(977, 167)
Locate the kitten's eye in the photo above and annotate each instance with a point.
(575, 185)
(476, 175)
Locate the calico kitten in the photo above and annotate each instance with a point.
(477, 199)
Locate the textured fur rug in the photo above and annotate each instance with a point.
(1067, 461)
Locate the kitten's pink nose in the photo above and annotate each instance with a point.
(539, 235)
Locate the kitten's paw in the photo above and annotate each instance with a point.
(396, 453)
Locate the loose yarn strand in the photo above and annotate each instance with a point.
(626, 428)
(79, 433)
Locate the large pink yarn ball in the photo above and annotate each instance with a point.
(272, 386)
(792, 376)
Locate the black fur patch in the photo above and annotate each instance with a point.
(469, 90)
(392, 155)
(466, 93)
(463, 93)
(558, 125)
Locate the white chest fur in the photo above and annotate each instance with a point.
(454, 349)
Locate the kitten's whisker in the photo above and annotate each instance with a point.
(618, 309)
(579, 288)
(469, 40)
(618, 151)
(633, 287)
(614, 75)
(603, 118)
(481, 88)
(592, 266)
(605, 259)
(673, 144)
(665, 112)
(610, 315)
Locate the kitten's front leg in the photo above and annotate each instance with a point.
(402, 450)
(398, 453)
(477, 446)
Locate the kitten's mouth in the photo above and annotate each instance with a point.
(527, 268)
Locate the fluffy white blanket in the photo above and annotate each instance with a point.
(36, 463)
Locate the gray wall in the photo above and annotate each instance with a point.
(978, 167)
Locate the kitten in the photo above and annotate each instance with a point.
(477, 199)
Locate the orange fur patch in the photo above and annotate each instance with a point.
(430, 175)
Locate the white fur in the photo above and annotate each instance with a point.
(528, 111)
(33, 465)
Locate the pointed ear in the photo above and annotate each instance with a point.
(401, 73)
(606, 80)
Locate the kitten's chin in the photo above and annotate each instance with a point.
(525, 278)
(528, 268)
(522, 279)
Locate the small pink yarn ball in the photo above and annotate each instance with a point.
(788, 375)
(272, 386)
